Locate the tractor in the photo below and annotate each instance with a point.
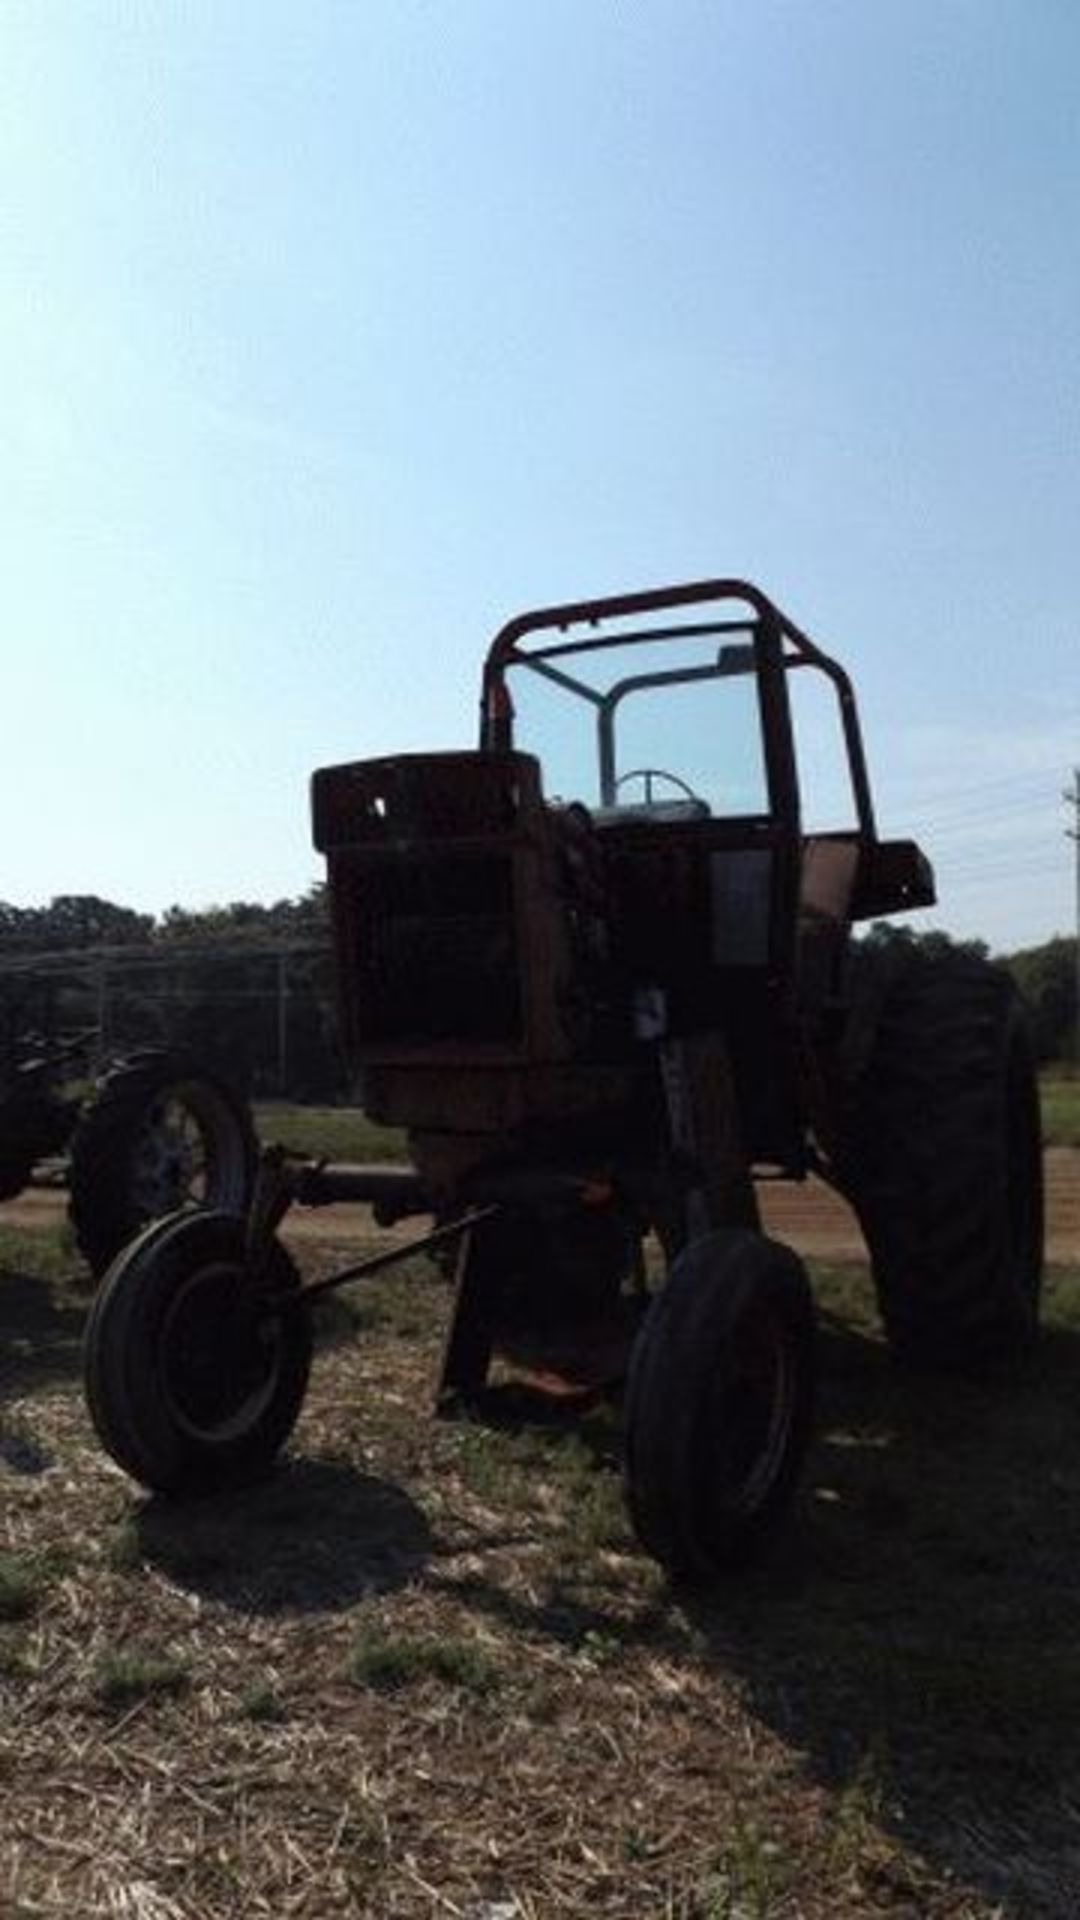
(607, 984)
(137, 1135)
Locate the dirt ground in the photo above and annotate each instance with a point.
(810, 1217)
(425, 1670)
(818, 1223)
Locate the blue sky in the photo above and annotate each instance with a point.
(335, 334)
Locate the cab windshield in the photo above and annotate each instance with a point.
(632, 722)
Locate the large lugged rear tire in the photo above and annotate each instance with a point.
(161, 1133)
(195, 1368)
(719, 1402)
(942, 1160)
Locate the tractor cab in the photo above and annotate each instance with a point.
(666, 720)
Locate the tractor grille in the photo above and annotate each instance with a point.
(428, 950)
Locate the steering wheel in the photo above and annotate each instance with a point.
(647, 775)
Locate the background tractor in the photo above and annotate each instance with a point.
(605, 979)
(138, 1137)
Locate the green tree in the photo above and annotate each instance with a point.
(70, 921)
(883, 933)
(1046, 976)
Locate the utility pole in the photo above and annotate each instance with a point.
(1073, 799)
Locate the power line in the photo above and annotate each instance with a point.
(1032, 778)
(1028, 851)
(938, 819)
(1006, 850)
(991, 863)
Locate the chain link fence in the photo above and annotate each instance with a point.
(261, 1015)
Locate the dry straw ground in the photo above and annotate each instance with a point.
(424, 1671)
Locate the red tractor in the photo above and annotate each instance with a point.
(605, 981)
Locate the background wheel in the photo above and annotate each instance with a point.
(195, 1368)
(161, 1133)
(719, 1402)
(942, 1161)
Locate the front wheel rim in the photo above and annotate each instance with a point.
(186, 1154)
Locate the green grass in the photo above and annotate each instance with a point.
(345, 1133)
(751, 1878)
(333, 1133)
(127, 1675)
(122, 1550)
(389, 1661)
(23, 1580)
(1059, 1088)
(48, 1252)
(264, 1705)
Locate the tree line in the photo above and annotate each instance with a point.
(78, 920)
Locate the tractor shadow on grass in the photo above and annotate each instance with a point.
(314, 1538)
(41, 1328)
(914, 1635)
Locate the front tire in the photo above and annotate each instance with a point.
(195, 1367)
(161, 1133)
(719, 1403)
